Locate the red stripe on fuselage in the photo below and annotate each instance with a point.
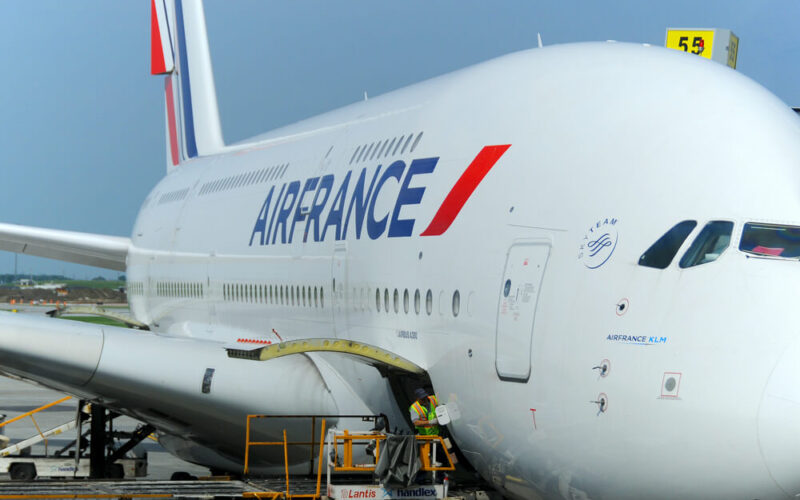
(173, 129)
(464, 188)
(157, 64)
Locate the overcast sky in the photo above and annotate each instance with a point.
(82, 130)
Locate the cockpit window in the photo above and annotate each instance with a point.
(770, 239)
(709, 244)
(661, 253)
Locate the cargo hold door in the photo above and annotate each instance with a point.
(516, 312)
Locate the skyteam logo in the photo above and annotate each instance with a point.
(599, 243)
(352, 206)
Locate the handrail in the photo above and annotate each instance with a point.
(285, 443)
(427, 452)
(37, 410)
(311, 443)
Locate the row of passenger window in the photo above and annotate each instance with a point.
(245, 179)
(176, 195)
(135, 288)
(770, 240)
(301, 296)
(393, 303)
(384, 148)
(179, 289)
(284, 295)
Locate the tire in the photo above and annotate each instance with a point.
(22, 471)
(115, 471)
(181, 476)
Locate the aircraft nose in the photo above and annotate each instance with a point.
(779, 422)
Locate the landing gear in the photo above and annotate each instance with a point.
(103, 453)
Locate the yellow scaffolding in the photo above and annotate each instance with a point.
(285, 443)
(427, 452)
(345, 440)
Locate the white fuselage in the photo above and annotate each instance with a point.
(603, 137)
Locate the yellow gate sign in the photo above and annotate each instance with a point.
(719, 45)
(700, 42)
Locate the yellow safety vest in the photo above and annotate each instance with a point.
(426, 414)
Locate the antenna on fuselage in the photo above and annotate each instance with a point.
(539, 39)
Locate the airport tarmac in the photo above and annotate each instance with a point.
(18, 397)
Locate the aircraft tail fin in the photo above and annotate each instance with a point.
(179, 50)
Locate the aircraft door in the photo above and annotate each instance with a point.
(516, 312)
(339, 289)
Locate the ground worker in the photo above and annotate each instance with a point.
(423, 413)
(423, 416)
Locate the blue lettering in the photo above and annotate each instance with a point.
(376, 228)
(409, 196)
(275, 213)
(261, 222)
(316, 208)
(360, 201)
(311, 183)
(337, 208)
(283, 214)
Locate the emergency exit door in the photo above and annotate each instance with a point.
(516, 312)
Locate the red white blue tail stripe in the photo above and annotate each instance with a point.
(162, 58)
(179, 49)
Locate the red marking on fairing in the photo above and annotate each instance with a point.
(173, 129)
(464, 188)
(253, 341)
(157, 64)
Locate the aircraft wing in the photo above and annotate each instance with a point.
(99, 250)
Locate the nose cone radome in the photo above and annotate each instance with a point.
(779, 422)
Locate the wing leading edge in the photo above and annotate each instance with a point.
(109, 252)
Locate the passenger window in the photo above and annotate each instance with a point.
(661, 253)
(771, 240)
(709, 244)
(429, 301)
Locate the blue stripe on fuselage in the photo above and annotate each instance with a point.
(186, 92)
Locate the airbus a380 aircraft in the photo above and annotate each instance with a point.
(589, 251)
